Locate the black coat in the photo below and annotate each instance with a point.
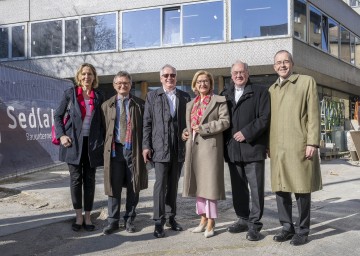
(251, 116)
(72, 154)
(157, 120)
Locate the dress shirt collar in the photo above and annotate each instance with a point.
(170, 92)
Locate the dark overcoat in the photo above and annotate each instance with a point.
(73, 129)
(157, 121)
(251, 116)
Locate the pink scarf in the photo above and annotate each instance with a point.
(199, 109)
(81, 101)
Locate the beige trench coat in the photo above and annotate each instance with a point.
(204, 156)
(136, 109)
(295, 123)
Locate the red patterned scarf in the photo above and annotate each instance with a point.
(199, 109)
(81, 101)
(128, 136)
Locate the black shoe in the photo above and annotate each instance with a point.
(76, 227)
(130, 227)
(111, 228)
(236, 227)
(90, 227)
(283, 236)
(253, 235)
(159, 231)
(174, 225)
(299, 240)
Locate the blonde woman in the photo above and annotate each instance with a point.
(206, 118)
(81, 140)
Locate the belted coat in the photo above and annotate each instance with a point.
(204, 156)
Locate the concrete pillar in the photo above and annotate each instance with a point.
(220, 84)
(144, 89)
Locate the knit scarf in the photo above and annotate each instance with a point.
(81, 101)
(199, 109)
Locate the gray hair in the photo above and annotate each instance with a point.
(167, 66)
(239, 62)
(288, 53)
(123, 74)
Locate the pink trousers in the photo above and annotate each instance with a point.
(207, 207)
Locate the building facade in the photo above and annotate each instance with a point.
(55, 37)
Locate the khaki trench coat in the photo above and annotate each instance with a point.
(204, 156)
(136, 109)
(295, 123)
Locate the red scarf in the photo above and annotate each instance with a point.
(81, 101)
(199, 109)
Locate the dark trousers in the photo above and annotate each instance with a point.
(244, 175)
(79, 175)
(121, 176)
(284, 205)
(165, 190)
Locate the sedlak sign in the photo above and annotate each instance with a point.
(27, 105)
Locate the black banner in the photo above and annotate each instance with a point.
(27, 104)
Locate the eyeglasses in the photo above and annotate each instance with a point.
(203, 82)
(122, 83)
(235, 73)
(285, 62)
(167, 75)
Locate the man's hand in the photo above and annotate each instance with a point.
(239, 136)
(310, 151)
(185, 136)
(146, 155)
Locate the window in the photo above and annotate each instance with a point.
(4, 43)
(354, 3)
(258, 18)
(315, 27)
(352, 49)
(357, 51)
(98, 33)
(333, 37)
(203, 22)
(300, 19)
(344, 44)
(171, 26)
(18, 41)
(324, 33)
(141, 29)
(71, 35)
(46, 38)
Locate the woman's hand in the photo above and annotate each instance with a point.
(196, 128)
(65, 141)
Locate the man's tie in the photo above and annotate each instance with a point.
(122, 122)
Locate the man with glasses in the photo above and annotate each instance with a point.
(123, 162)
(294, 139)
(164, 121)
(245, 149)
